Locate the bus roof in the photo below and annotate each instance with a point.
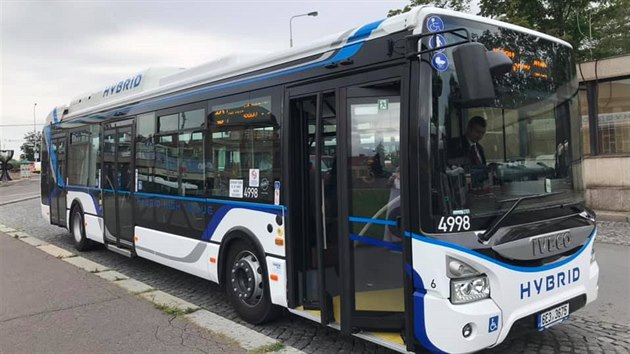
(155, 82)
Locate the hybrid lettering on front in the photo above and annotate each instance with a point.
(550, 282)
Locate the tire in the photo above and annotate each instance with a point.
(77, 229)
(247, 284)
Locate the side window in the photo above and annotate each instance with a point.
(59, 147)
(244, 157)
(179, 153)
(145, 153)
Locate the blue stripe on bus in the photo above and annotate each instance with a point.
(372, 221)
(375, 242)
(344, 53)
(420, 329)
(503, 264)
(249, 205)
(365, 31)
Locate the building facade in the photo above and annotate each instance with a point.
(605, 110)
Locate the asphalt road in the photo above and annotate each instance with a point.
(19, 189)
(603, 327)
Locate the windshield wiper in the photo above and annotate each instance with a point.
(494, 227)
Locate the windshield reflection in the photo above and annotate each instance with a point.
(525, 143)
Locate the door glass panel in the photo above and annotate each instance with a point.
(374, 176)
(318, 144)
(109, 182)
(125, 176)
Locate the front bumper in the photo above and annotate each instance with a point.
(517, 295)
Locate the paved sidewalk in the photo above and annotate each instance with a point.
(48, 305)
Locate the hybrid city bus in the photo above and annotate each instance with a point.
(416, 182)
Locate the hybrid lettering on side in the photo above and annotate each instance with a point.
(123, 85)
(547, 245)
(550, 282)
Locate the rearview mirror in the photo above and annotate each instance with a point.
(476, 66)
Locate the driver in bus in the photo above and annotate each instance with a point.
(467, 151)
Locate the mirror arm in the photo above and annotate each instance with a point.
(412, 41)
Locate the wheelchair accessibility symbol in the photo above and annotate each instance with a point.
(493, 324)
(435, 24)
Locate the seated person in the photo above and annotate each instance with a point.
(466, 150)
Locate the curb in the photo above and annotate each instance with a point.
(245, 337)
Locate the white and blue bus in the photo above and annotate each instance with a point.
(416, 182)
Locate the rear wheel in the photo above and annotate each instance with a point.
(247, 286)
(77, 228)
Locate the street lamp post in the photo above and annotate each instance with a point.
(35, 152)
(313, 13)
(34, 120)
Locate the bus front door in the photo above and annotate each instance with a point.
(313, 193)
(371, 237)
(118, 181)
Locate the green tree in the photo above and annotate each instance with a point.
(457, 5)
(32, 144)
(595, 29)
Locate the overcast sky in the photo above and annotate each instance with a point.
(53, 51)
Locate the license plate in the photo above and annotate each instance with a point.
(551, 317)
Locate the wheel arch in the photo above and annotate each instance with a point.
(76, 203)
(231, 237)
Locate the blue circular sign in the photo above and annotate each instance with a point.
(437, 41)
(440, 62)
(435, 24)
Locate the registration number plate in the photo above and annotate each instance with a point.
(551, 317)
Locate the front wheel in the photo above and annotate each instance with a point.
(77, 228)
(247, 285)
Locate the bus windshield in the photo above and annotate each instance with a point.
(524, 143)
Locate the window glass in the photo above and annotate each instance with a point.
(244, 158)
(584, 130)
(525, 141)
(191, 163)
(192, 119)
(145, 153)
(375, 163)
(166, 175)
(613, 105)
(79, 157)
(168, 123)
(95, 156)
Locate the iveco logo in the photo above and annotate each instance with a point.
(546, 245)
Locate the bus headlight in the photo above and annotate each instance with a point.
(469, 289)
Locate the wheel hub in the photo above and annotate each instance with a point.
(246, 278)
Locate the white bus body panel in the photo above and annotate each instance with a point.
(45, 210)
(93, 228)
(277, 288)
(514, 293)
(256, 222)
(182, 253)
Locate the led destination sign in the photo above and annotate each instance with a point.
(537, 67)
(242, 112)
